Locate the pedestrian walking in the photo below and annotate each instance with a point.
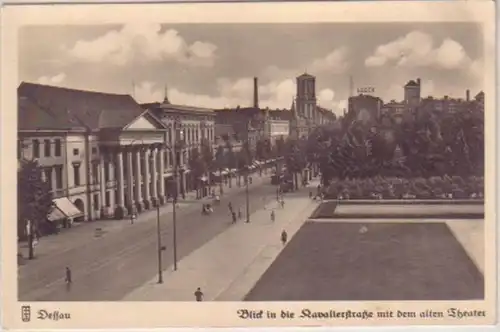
(310, 194)
(239, 213)
(230, 206)
(68, 280)
(233, 214)
(284, 237)
(198, 295)
(282, 203)
(273, 216)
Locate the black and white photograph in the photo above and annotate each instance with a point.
(254, 162)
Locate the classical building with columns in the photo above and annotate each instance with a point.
(105, 155)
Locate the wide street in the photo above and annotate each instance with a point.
(108, 267)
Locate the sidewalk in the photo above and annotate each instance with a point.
(227, 267)
(84, 232)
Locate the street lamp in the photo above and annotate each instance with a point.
(158, 225)
(175, 148)
(247, 172)
(158, 233)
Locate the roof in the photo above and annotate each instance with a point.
(186, 108)
(71, 107)
(31, 117)
(411, 83)
(306, 75)
(281, 114)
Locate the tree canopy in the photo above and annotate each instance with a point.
(34, 197)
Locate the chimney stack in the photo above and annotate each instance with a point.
(418, 81)
(255, 92)
(467, 95)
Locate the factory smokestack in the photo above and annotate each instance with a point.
(467, 95)
(255, 92)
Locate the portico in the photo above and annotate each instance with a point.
(137, 154)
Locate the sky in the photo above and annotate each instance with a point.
(213, 65)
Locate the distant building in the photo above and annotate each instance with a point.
(303, 115)
(412, 93)
(364, 108)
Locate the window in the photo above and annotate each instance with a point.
(95, 173)
(107, 199)
(57, 147)
(94, 150)
(75, 152)
(106, 172)
(48, 176)
(76, 174)
(36, 149)
(169, 133)
(96, 202)
(59, 177)
(46, 148)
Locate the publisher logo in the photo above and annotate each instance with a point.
(26, 313)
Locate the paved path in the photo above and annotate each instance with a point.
(227, 267)
(108, 267)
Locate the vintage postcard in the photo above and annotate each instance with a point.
(248, 164)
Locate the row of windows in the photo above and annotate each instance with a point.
(47, 148)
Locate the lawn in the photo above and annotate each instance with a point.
(375, 261)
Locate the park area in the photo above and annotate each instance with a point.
(371, 261)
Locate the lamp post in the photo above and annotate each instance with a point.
(175, 148)
(247, 194)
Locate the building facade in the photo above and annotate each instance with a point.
(412, 93)
(364, 108)
(105, 153)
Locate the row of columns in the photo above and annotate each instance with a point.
(139, 178)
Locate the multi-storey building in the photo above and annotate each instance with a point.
(364, 108)
(197, 125)
(303, 115)
(104, 153)
(412, 93)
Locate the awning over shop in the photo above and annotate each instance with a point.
(67, 207)
(55, 214)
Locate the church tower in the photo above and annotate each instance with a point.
(306, 96)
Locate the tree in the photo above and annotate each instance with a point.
(295, 158)
(207, 154)
(245, 157)
(230, 157)
(220, 162)
(198, 168)
(34, 201)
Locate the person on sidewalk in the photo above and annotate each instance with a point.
(68, 280)
(233, 215)
(282, 203)
(273, 216)
(310, 194)
(240, 215)
(284, 237)
(230, 206)
(198, 295)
